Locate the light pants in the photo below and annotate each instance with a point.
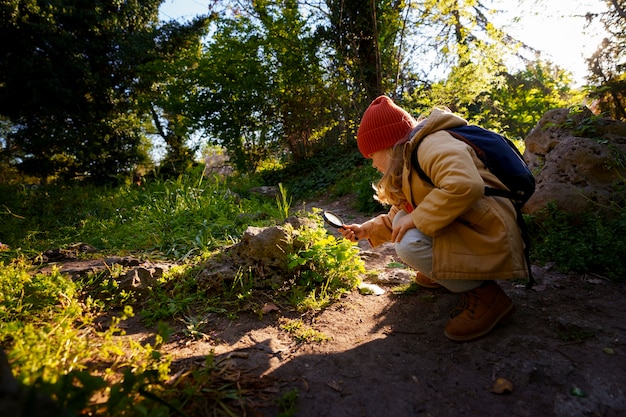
(416, 250)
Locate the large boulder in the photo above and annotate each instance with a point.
(579, 161)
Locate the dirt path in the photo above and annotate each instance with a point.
(564, 352)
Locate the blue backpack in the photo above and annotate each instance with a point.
(502, 158)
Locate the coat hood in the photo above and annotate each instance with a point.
(440, 118)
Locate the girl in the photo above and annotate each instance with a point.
(446, 229)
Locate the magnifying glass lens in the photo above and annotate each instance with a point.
(333, 219)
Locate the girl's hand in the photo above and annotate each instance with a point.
(401, 227)
(352, 232)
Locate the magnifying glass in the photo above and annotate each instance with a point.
(332, 219)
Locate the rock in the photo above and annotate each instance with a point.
(261, 255)
(265, 191)
(142, 277)
(123, 261)
(266, 245)
(299, 222)
(579, 161)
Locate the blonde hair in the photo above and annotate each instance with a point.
(389, 187)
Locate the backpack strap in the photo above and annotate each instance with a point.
(489, 191)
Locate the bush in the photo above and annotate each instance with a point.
(580, 243)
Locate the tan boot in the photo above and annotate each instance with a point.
(478, 312)
(423, 281)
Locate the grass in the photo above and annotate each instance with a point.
(65, 338)
(589, 242)
(302, 332)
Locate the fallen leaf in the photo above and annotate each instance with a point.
(334, 385)
(609, 351)
(239, 355)
(268, 308)
(502, 386)
(539, 288)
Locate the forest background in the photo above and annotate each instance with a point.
(90, 91)
(108, 116)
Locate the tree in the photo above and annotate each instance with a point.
(168, 88)
(84, 81)
(607, 65)
(66, 83)
(234, 105)
(264, 92)
(365, 35)
(290, 52)
(518, 104)
(459, 55)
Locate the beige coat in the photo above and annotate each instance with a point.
(474, 236)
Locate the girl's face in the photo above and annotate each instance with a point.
(380, 160)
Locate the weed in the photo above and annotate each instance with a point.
(48, 321)
(287, 403)
(580, 242)
(573, 333)
(283, 202)
(193, 327)
(406, 289)
(323, 267)
(301, 332)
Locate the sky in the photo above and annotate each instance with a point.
(556, 27)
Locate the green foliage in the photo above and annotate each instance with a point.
(178, 296)
(179, 217)
(48, 321)
(326, 170)
(301, 332)
(235, 105)
(323, 268)
(68, 85)
(287, 403)
(527, 95)
(606, 66)
(49, 330)
(283, 202)
(365, 191)
(363, 37)
(580, 243)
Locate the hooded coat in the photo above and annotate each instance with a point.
(474, 236)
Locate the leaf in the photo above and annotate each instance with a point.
(502, 386)
(269, 307)
(577, 392)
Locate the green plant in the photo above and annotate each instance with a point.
(283, 202)
(178, 295)
(582, 122)
(301, 332)
(586, 242)
(287, 403)
(323, 267)
(54, 328)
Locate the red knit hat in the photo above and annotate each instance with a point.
(383, 125)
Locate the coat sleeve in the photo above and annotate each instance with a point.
(450, 164)
(379, 228)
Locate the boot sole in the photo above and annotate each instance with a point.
(504, 317)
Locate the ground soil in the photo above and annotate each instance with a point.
(562, 354)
